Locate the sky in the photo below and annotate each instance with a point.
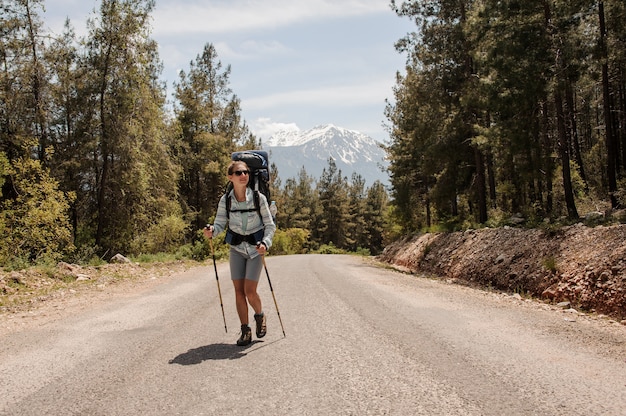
(295, 64)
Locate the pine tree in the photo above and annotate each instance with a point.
(375, 217)
(357, 227)
(130, 177)
(501, 107)
(434, 113)
(23, 80)
(332, 223)
(298, 207)
(208, 115)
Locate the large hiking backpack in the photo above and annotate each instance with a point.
(259, 181)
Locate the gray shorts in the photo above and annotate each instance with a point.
(244, 267)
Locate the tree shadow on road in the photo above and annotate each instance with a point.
(211, 352)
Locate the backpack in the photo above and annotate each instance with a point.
(259, 180)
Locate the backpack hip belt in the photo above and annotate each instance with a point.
(235, 239)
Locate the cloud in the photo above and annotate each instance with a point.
(227, 16)
(264, 127)
(249, 49)
(373, 92)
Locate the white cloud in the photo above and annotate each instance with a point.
(264, 127)
(249, 49)
(264, 47)
(373, 92)
(175, 17)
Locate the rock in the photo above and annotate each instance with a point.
(563, 305)
(550, 293)
(66, 267)
(619, 215)
(594, 216)
(16, 278)
(118, 258)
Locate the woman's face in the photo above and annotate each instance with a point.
(240, 175)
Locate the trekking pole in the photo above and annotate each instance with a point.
(219, 291)
(274, 297)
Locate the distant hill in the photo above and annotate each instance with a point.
(353, 152)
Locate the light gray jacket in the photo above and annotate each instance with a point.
(255, 222)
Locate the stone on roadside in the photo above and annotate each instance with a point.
(118, 258)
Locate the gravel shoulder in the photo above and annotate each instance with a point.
(35, 297)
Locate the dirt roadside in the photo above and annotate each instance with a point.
(578, 266)
(33, 297)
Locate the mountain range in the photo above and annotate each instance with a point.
(352, 151)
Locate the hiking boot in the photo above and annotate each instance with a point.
(261, 328)
(246, 336)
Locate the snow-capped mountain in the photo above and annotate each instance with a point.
(352, 151)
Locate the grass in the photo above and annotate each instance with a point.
(549, 263)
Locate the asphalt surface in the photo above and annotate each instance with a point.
(360, 340)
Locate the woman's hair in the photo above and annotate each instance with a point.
(231, 167)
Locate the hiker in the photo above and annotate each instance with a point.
(249, 233)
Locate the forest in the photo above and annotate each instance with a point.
(503, 108)
(509, 108)
(95, 161)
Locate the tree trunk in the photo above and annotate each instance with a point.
(563, 146)
(428, 213)
(104, 152)
(40, 118)
(622, 118)
(573, 130)
(481, 186)
(611, 150)
(549, 162)
(492, 181)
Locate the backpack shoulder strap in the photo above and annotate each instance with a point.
(257, 202)
(255, 198)
(228, 205)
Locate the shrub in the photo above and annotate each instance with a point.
(290, 241)
(549, 263)
(35, 225)
(330, 249)
(163, 237)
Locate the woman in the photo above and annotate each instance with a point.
(250, 236)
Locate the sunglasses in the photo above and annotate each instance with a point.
(241, 172)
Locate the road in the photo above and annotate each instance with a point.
(360, 340)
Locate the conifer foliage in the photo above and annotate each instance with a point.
(504, 107)
(92, 163)
(508, 107)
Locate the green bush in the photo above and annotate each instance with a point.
(330, 249)
(163, 237)
(86, 254)
(35, 225)
(549, 263)
(290, 241)
(154, 258)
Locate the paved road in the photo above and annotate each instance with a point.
(361, 340)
